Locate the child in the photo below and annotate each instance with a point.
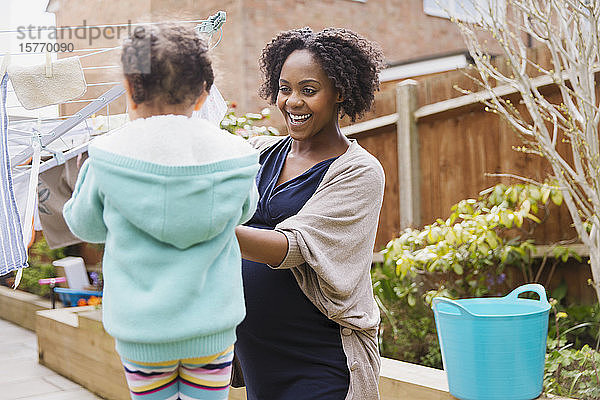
(165, 193)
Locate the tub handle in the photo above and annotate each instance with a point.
(459, 307)
(530, 287)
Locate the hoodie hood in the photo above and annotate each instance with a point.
(189, 197)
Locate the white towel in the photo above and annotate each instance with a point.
(34, 89)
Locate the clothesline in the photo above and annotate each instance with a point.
(88, 84)
(102, 67)
(72, 101)
(100, 51)
(57, 28)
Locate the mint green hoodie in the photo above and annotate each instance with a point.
(165, 194)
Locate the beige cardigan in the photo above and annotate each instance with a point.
(330, 250)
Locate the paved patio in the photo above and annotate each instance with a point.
(21, 377)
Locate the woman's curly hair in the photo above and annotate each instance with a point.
(351, 62)
(167, 63)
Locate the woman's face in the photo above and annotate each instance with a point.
(307, 97)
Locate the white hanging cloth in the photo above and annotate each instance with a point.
(214, 107)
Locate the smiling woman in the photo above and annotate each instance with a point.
(311, 323)
(307, 97)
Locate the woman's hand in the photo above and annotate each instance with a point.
(262, 245)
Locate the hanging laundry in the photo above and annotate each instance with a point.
(13, 255)
(36, 88)
(214, 108)
(21, 191)
(101, 124)
(55, 188)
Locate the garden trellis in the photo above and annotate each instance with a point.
(32, 145)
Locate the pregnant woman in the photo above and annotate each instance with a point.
(311, 326)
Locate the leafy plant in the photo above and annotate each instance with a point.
(244, 125)
(466, 255)
(585, 320)
(406, 332)
(571, 371)
(40, 266)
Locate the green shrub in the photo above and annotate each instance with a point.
(407, 332)
(466, 255)
(40, 266)
(583, 320)
(244, 125)
(573, 371)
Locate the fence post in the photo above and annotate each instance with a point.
(408, 155)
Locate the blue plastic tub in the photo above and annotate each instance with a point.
(494, 348)
(69, 297)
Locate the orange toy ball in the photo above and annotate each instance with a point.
(94, 301)
(81, 302)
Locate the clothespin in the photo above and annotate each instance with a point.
(213, 23)
(48, 65)
(57, 155)
(5, 63)
(218, 19)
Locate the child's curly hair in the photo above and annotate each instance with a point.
(351, 62)
(167, 63)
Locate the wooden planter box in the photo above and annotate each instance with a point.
(73, 343)
(19, 307)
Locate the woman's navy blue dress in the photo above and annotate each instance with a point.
(288, 350)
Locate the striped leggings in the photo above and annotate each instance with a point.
(205, 378)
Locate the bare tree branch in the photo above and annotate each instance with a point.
(569, 32)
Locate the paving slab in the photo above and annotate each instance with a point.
(23, 378)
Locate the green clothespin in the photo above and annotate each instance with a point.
(213, 23)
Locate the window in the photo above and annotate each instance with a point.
(465, 10)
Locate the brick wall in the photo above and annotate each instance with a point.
(404, 31)
(401, 27)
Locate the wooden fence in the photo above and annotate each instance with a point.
(437, 149)
(436, 154)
